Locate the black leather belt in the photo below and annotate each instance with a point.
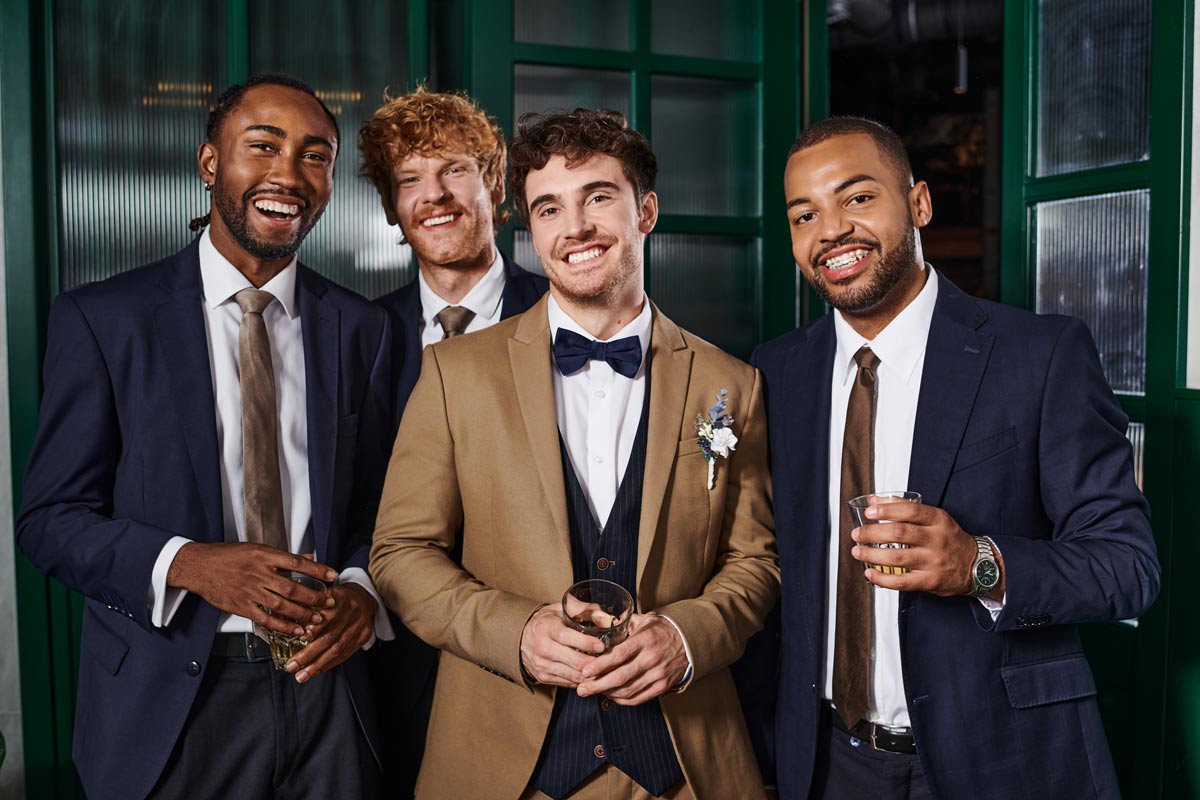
(880, 737)
(241, 647)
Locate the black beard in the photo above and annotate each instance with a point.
(235, 216)
(888, 273)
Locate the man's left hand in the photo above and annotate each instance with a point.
(650, 662)
(939, 555)
(342, 632)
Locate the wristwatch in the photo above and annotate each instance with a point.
(985, 572)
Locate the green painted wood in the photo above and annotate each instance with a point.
(418, 42)
(814, 107)
(237, 37)
(1116, 178)
(713, 226)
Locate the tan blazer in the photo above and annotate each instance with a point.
(478, 451)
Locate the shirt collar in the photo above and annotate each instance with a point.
(639, 327)
(484, 298)
(901, 345)
(221, 280)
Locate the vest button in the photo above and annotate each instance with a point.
(598, 751)
(603, 563)
(606, 704)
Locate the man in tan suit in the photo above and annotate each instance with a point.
(561, 453)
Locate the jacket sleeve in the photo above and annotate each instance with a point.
(1100, 562)
(66, 525)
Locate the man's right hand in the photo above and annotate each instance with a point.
(554, 654)
(251, 579)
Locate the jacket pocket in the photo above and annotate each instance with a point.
(982, 449)
(104, 645)
(1046, 682)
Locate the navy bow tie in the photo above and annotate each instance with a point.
(572, 352)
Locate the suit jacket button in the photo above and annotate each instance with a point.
(606, 704)
(193, 668)
(598, 751)
(603, 563)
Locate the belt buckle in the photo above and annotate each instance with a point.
(256, 648)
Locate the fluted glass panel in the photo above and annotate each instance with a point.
(133, 87)
(574, 23)
(524, 254)
(1137, 439)
(1092, 256)
(537, 89)
(709, 285)
(725, 29)
(350, 53)
(1093, 84)
(706, 136)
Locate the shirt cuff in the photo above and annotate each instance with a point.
(690, 672)
(383, 626)
(994, 607)
(162, 600)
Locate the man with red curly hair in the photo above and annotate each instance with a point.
(438, 161)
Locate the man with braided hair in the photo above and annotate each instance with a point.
(214, 425)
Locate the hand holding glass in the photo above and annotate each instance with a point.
(285, 645)
(858, 507)
(598, 608)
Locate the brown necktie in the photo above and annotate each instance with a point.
(454, 320)
(261, 493)
(852, 639)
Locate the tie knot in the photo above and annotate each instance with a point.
(454, 320)
(866, 359)
(253, 301)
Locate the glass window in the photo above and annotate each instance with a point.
(351, 53)
(1093, 85)
(707, 139)
(134, 84)
(1191, 302)
(725, 29)
(538, 88)
(1091, 261)
(574, 23)
(523, 252)
(1137, 439)
(709, 285)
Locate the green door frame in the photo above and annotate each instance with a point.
(489, 71)
(48, 614)
(1135, 707)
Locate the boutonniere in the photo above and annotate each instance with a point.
(715, 435)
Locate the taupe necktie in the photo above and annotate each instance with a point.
(852, 638)
(454, 320)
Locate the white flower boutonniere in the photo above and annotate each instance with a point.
(715, 436)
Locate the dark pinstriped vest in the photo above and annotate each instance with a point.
(587, 732)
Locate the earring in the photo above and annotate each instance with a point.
(207, 186)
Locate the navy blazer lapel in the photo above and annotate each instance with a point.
(520, 289)
(407, 308)
(179, 322)
(955, 358)
(322, 347)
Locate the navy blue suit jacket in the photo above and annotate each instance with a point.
(403, 671)
(521, 290)
(126, 457)
(1019, 438)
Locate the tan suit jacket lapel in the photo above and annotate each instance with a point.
(670, 371)
(530, 354)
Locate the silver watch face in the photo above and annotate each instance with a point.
(987, 573)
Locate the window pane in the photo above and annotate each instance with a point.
(523, 252)
(537, 89)
(1192, 299)
(350, 53)
(1137, 438)
(725, 29)
(1094, 84)
(1091, 263)
(134, 83)
(709, 285)
(574, 23)
(706, 137)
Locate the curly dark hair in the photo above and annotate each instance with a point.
(577, 136)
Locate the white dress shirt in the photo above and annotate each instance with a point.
(486, 299)
(220, 281)
(599, 411)
(901, 351)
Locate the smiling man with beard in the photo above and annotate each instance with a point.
(562, 445)
(949, 666)
(214, 424)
